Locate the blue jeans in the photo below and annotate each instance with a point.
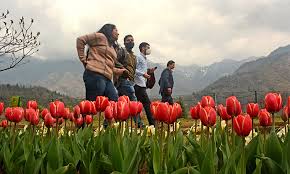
(98, 85)
(126, 87)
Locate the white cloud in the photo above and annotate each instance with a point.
(201, 31)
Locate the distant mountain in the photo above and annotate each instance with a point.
(65, 75)
(269, 73)
(208, 74)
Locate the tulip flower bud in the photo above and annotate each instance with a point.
(243, 125)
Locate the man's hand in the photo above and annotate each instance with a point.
(169, 90)
(120, 71)
(146, 76)
(151, 70)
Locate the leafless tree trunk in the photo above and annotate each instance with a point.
(17, 42)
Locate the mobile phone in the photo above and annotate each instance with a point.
(155, 67)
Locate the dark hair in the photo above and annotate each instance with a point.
(143, 44)
(129, 35)
(170, 62)
(107, 30)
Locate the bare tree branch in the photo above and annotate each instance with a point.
(17, 42)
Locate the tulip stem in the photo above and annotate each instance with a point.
(273, 122)
(33, 133)
(207, 132)
(56, 130)
(157, 127)
(14, 135)
(195, 129)
(127, 125)
(264, 133)
(65, 127)
(42, 129)
(243, 156)
(99, 123)
(131, 126)
(252, 128)
(233, 138)
(201, 134)
(175, 130)
(168, 130)
(285, 128)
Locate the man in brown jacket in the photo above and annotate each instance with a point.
(126, 83)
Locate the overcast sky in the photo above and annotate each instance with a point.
(188, 31)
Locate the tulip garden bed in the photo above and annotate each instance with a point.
(217, 139)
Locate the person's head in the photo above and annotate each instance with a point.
(129, 42)
(171, 64)
(144, 48)
(111, 33)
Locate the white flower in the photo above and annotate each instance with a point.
(223, 124)
(61, 131)
(150, 130)
(25, 127)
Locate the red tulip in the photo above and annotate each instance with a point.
(162, 112)
(15, 114)
(285, 115)
(265, 118)
(174, 111)
(85, 107)
(4, 123)
(77, 111)
(8, 114)
(101, 103)
(224, 114)
(273, 102)
(109, 113)
(115, 110)
(194, 112)
(1, 107)
(124, 98)
(34, 119)
(94, 110)
(207, 101)
(219, 108)
(44, 112)
(71, 116)
(153, 109)
(29, 113)
(123, 110)
(233, 106)
(135, 108)
(31, 104)
(56, 109)
(178, 109)
(79, 121)
(49, 120)
(243, 125)
(66, 113)
(207, 116)
(288, 105)
(88, 119)
(253, 109)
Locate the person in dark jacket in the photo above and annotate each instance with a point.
(125, 84)
(166, 83)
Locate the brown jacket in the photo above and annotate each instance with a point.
(101, 57)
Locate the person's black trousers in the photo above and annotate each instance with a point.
(142, 96)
